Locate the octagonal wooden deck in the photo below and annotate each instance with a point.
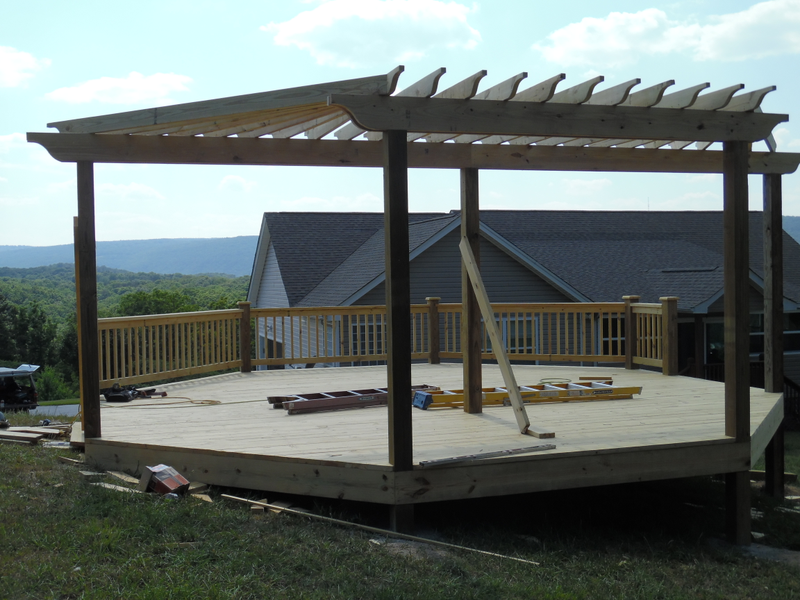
(676, 428)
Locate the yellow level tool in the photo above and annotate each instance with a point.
(540, 392)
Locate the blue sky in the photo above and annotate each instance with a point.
(63, 60)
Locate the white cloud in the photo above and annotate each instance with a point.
(783, 137)
(766, 29)
(133, 89)
(584, 187)
(129, 191)
(12, 141)
(352, 33)
(16, 66)
(235, 183)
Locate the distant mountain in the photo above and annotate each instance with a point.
(189, 256)
(791, 225)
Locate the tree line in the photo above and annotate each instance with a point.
(38, 323)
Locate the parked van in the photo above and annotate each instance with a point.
(18, 389)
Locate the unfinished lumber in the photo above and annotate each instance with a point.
(70, 461)
(46, 431)
(468, 260)
(124, 477)
(116, 488)
(19, 436)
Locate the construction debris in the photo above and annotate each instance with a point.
(163, 479)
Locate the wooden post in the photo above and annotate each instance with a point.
(699, 347)
(75, 245)
(669, 342)
(401, 518)
(87, 308)
(433, 330)
(470, 311)
(630, 331)
(737, 291)
(244, 338)
(736, 244)
(773, 324)
(773, 284)
(398, 298)
(774, 465)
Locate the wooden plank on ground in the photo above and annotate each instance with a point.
(19, 436)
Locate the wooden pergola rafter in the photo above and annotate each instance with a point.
(366, 123)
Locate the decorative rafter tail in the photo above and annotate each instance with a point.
(541, 92)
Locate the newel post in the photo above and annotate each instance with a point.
(669, 335)
(433, 330)
(244, 338)
(631, 340)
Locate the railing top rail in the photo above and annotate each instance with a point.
(547, 306)
(646, 305)
(189, 316)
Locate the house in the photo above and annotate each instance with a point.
(337, 259)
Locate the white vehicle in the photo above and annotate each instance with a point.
(18, 388)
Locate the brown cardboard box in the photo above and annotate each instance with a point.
(163, 479)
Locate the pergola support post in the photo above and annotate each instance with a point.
(470, 311)
(737, 330)
(398, 299)
(87, 307)
(773, 323)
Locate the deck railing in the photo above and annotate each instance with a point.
(154, 347)
(140, 349)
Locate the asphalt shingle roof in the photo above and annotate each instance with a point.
(309, 245)
(327, 257)
(608, 254)
(368, 262)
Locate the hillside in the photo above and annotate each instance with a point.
(189, 256)
(53, 287)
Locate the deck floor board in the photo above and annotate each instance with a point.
(670, 410)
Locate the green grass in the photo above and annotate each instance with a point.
(60, 402)
(63, 538)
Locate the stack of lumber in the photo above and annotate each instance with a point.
(28, 435)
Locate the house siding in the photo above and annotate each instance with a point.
(437, 272)
(756, 303)
(271, 293)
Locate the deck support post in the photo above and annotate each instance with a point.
(631, 335)
(401, 518)
(774, 466)
(244, 338)
(669, 314)
(470, 311)
(737, 329)
(433, 330)
(398, 298)
(87, 307)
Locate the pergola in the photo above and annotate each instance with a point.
(365, 123)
